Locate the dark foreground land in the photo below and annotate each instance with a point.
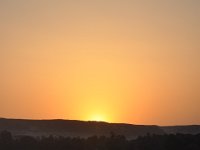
(112, 142)
(16, 134)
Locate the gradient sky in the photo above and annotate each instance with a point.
(134, 61)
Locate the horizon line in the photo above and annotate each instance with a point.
(63, 119)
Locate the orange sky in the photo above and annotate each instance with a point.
(134, 61)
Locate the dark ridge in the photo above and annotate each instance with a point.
(74, 128)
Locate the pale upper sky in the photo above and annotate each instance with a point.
(134, 61)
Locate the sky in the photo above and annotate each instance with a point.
(131, 61)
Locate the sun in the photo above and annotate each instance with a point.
(97, 117)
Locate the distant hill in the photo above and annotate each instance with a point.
(190, 129)
(74, 128)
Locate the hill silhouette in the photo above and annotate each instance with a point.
(75, 128)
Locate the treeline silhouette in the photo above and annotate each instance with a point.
(112, 142)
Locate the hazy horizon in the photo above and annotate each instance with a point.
(130, 61)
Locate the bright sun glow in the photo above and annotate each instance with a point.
(98, 118)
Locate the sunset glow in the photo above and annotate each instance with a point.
(103, 60)
(98, 117)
